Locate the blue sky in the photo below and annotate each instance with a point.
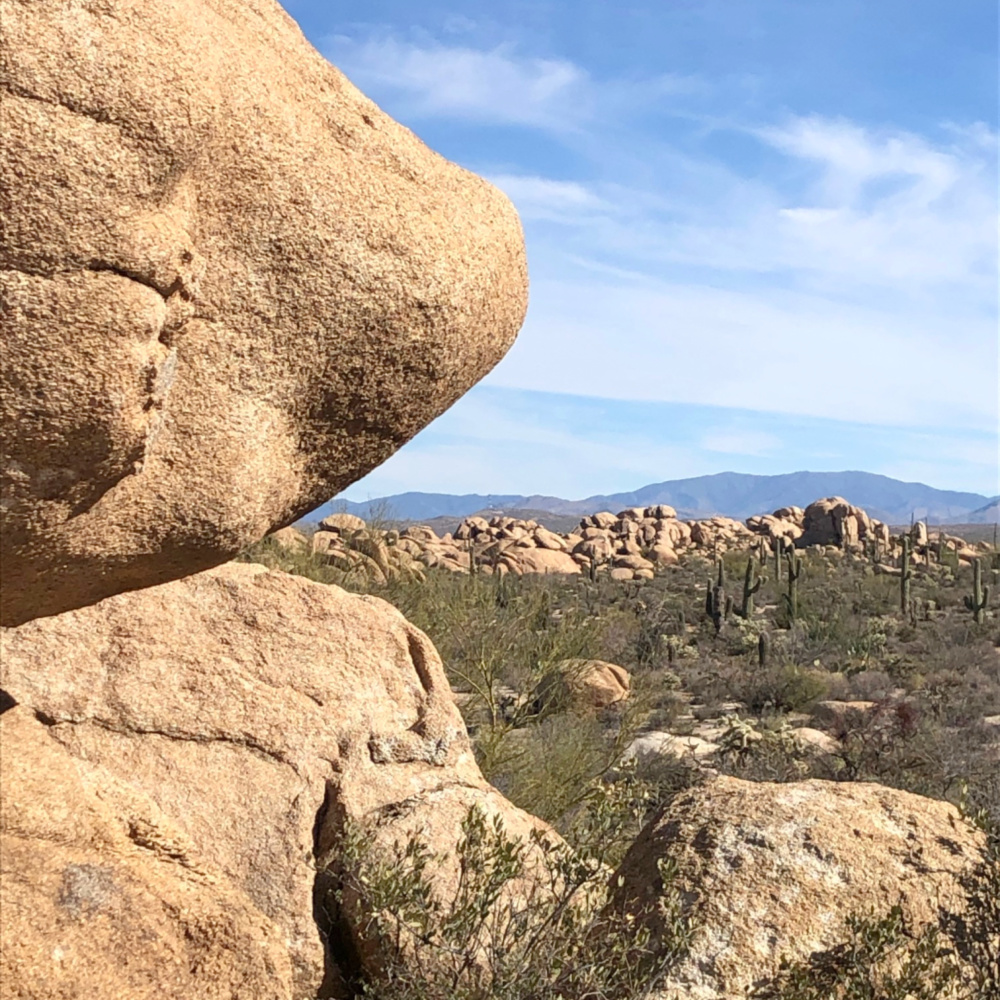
(761, 236)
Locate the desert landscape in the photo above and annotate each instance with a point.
(250, 752)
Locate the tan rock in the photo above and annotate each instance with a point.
(815, 740)
(634, 562)
(104, 896)
(621, 573)
(253, 708)
(664, 554)
(421, 534)
(632, 514)
(663, 511)
(343, 524)
(549, 540)
(833, 521)
(326, 541)
(794, 514)
(291, 539)
(233, 285)
(773, 870)
(586, 686)
(658, 744)
(540, 561)
(837, 716)
(602, 519)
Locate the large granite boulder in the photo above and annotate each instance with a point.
(771, 871)
(258, 714)
(231, 286)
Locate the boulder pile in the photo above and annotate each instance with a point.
(187, 756)
(629, 545)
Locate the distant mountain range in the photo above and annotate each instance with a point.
(732, 494)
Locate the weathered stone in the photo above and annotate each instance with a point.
(343, 524)
(773, 870)
(232, 286)
(253, 708)
(105, 896)
(586, 686)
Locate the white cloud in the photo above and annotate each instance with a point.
(853, 278)
(736, 441)
(541, 198)
(759, 349)
(496, 86)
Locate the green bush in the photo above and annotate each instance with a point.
(528, 921)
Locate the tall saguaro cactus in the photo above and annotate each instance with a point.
(794, 565)
(717, 605)
(980, 597)
(779, 551)
(751, 584)
(905, 576)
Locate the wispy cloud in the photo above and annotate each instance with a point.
(499, 85)
(809, 266)
(512, 441)
(495, 86)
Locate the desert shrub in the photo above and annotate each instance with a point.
(977, 931)
(785, 687)
(527, 920)
(556, 763)
(881, 959)
(301, 562)
(885, 958)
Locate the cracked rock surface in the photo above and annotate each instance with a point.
(230, 286)
(256, 711)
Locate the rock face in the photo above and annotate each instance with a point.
(103, 896)
(253, 713)
(773, 870)
(231, 287)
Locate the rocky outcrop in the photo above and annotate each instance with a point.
(251, 714)
(634, 543)
(232, 285)
(772, 871)
(830, 521)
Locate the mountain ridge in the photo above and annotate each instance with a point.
(731, 494)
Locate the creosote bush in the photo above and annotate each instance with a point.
(527, 921)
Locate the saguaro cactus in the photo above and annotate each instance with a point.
(716, 604)
(980, 597)
(792, 597)
(762, 650)
(751, 584)
(905, 575)
(779, 551)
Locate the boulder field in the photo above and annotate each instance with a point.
(232, 286)
(629, 545)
